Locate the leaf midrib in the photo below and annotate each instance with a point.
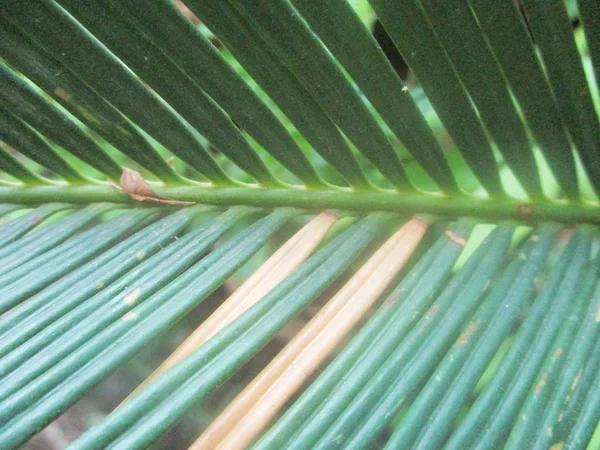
(358, 202)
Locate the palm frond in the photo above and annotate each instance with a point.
(449, 304)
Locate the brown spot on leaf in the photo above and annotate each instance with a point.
(185, 10)
(392, 300)
(136, 187)
(454, 238)
(464, 338)
(433, 310)
(62, 94)
(132, 296)
(130, 316)
(585, 91)
(557, 353)
(597, 318)
(541, 383)
(35, 220)
(525, 210)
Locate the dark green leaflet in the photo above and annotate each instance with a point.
(356, 49)
(22, 138)
(299, 49)
(508, 37)
(552, 33)
(183, 43)
(66, 40)
(13, 167)
(80, 100)
(589, 14)
(417, 42)
(480, 75)
(114, 29)
(282, 86)
(32, 107)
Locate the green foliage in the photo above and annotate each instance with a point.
(272, 110)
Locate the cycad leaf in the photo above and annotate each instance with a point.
(417, 305)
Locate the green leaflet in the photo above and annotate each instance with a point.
(65, 39)
(195, 55)
(5, 209)
(526, 427)
(552, 32)
(318, 407)
(572, 405)
(100, 355)
(495, 344)
(479, 73)
(30, 106)
(21, 225)
(282, 86)
(540, 326)
(356, 49)
(215, 361)
(114, 28)
(587, 420)
(22, 138)
(508, 37)
(37, 242)
(81, 101)
(41, 310)
(464, 364)
(416, 40)
(389, 395)
(26, 278)
(97, 313)
(584, 346)
(504, 415)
